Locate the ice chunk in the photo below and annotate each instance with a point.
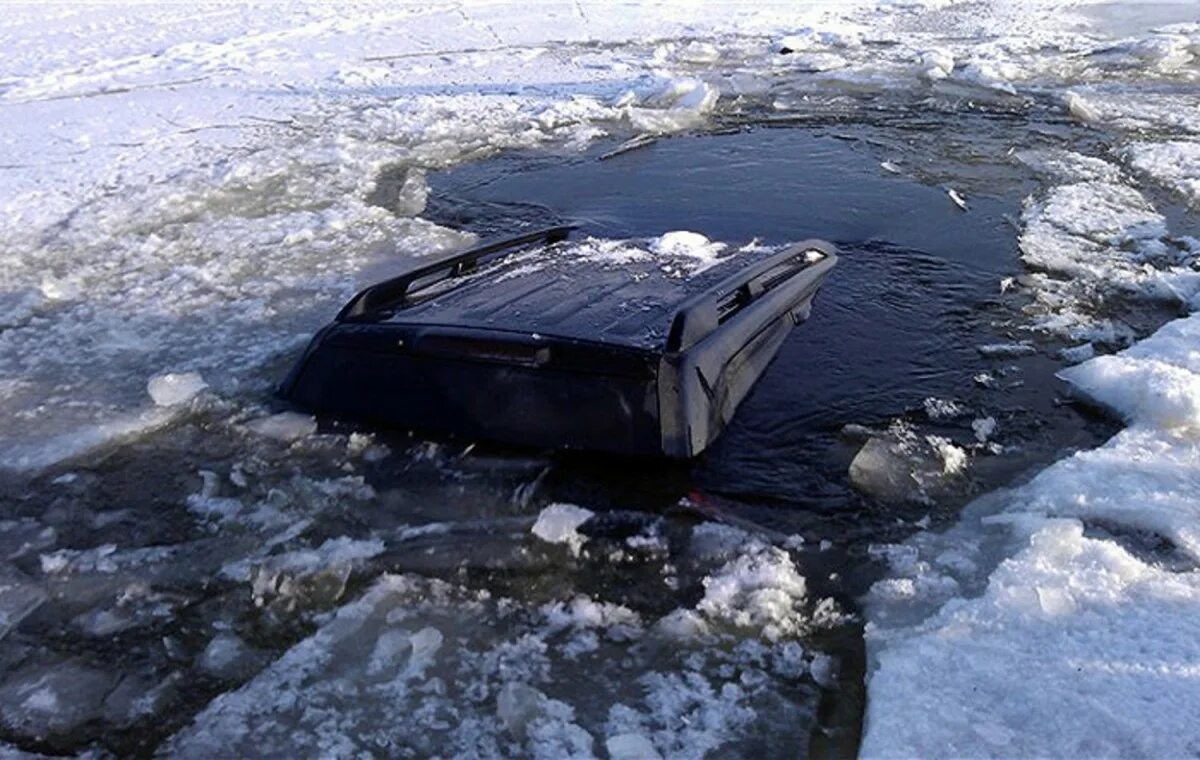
(683, 625)
(557, 524)
(699, 52)
(40, 453)
(686, 713)
(935, 64)
(811, 38)
(679, 103)
(1143, 390)
(1067, 166)
(173, 388)
(1140, 390)
(942, 409)
(631, 747)
(759, 589)
(1162, 52)
(285, 426)
(24, 536)
(133, 606)
(414, 651)
(1104, 237)
(309, 578)
(1175, 164)
(1006, 350)
(48, 701)
(207, 504)
(138, 697)
(18, 306)
(900, 465)
(1080, 108)
(825, 670)
(1076, 354)
(383, 656)
(881, 470)
(815, 62)
(227, 656)
(517, 705)
(954, 459)
(19, 597)
(984, 428)
(997, 75)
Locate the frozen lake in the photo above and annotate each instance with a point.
(913, 540)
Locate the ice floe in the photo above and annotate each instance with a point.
(1089, 613)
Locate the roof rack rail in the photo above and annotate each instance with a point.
(395, 291)
(700, 316)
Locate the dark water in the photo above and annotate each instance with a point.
(916, 291)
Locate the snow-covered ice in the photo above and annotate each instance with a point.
(1081, 641)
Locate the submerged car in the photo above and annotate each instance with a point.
(535, 341)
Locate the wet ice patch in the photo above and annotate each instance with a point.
(49, 703)
(42, 453)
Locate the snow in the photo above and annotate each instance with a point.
(1072, 651)
(630, 747)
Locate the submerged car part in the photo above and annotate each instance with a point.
(523, 341)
